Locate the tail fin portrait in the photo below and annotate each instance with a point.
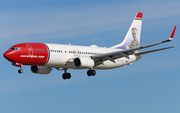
(132, 38)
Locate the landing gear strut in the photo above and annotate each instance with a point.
(66, 75)
(18, 65)
(91, 72)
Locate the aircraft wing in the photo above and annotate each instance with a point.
(99, 59)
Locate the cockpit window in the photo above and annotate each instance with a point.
(15, 48)
(18, 48)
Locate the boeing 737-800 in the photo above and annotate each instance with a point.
(42, 57)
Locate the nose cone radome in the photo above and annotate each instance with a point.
(5, 55)
(8, 55)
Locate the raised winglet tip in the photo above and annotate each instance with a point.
(172, 34)
(139, 15)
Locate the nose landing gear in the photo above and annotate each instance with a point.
(20, 71)
(18, 65)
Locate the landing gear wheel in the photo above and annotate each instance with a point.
(91, 72)
(68, 75)
(64, 76)
(20, 71)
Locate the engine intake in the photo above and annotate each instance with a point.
(40, 69)
(83, 62)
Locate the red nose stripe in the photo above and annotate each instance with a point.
(29, 54)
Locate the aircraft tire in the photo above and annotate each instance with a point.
(64, 76)
(89, 73)
(20, 71)
(68, 75)
(93, 72)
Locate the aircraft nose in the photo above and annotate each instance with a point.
(8, 55)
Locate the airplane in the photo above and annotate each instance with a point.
(42, 57)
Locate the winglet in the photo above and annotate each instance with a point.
(139, 15)
(172, 34)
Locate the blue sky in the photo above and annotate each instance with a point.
(148, 85)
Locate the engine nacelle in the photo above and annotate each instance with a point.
(40, 69)
(83, 62)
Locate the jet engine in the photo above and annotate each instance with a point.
(40, 69)
(83, 62)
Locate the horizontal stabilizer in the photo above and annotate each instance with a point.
(145, 52)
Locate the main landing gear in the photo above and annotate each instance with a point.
(91, 72)
(66, 75)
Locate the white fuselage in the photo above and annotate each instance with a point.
(61, 56)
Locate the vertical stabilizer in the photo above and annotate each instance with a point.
(132, 38)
